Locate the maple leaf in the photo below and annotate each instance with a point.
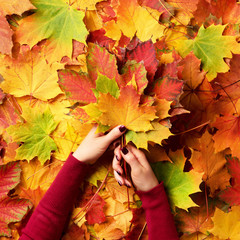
(161, 6)
(211, 47)
(226, 225)
(84, 4)
(29, 74)
(35, 195)
(179, 185)
(195, 220)
(5, 35)
(12, 209)
(8, 116)
(150, 62)
(228, 11)
(57, 21)
(168, 88)
(15, 7)
(141, 139)
(229, 80)
(76, 233)
(228, 133)
(192, 77)
(204, 159)
(136, 20)
(35, 137)
(99, 60)
(125, 110)
(135, 74)
(67, 141)
(108, 231)
(77, 86)
(9, 177)
(35, 175)
(95, 213)
(100, 173)
(232, 194)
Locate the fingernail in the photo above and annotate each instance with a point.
(119, 183)
(117, 144)
(127, 185)
(122, 128)
(124, 150)
(117, 158)
(119, 173)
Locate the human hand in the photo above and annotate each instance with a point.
(141, 172)
(95, 144)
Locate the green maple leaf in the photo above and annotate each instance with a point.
(141, 139)
(106, 85)
(211, 47)
(34, 134)
(179, 184)
(57, 21)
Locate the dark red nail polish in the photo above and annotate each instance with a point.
(124, 150)
(122, 128)
(119, 173)
(127, 185)
(117, 158)
(119, 183)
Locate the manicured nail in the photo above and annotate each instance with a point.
(122, 128)
(127, 185)
(117, 158)
(119, 183)
(119, 173)
(124, 150)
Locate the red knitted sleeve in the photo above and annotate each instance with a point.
(48, 220)
(159, 218)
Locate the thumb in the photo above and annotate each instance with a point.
(115, 133)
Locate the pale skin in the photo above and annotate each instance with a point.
(95, 144)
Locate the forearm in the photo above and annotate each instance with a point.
(158, 214)
(49, 218)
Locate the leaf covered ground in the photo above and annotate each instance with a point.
(167, 70)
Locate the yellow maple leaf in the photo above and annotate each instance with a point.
(34, 174)
(30, 74)
(67, 141)
(120, 213)
(84, 4)
(15, 7)
(108, 230)
(136, 20)
(227, 225)
(126, 110)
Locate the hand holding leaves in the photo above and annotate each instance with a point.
(141, 172)
(95, 144)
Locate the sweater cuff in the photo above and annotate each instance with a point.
(153, 197)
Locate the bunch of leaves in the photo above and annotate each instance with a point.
(167, 70)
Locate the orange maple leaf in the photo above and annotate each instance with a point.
(126, 110)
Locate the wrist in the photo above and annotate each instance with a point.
(81, 158)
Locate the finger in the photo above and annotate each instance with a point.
(119, 178)
(115, 133)
(117, 153)
(122, 180)
(130, 158)
(116, 166)
(139, 154)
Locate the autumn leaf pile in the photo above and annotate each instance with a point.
(168, 70)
